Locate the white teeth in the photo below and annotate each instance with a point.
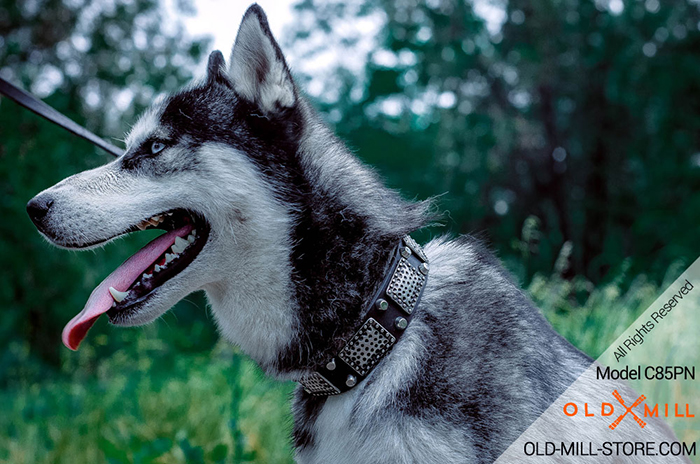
(190, 238)
(169, 257)
(157, 217)
(117, 295)
(158, 268)
(142, 225)
(179, 245)
(147, 276)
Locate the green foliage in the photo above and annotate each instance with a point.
(117, 53)
(569, 137)
(583, 114)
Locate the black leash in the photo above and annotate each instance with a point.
(32, 103)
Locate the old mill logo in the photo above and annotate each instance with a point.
(638, 401)
(608, 409)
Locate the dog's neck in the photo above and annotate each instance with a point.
(344, 238)
(342, 229)
(336, 276)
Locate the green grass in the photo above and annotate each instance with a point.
(148, 403)
(214, 408)
(607, 311)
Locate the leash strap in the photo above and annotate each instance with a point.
(32, 103)
(388, 316)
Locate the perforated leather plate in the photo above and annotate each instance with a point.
(405, 286)
(317, 385)
(367, 347)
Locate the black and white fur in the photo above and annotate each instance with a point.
(301, 234)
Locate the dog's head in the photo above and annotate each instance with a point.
(207, 165)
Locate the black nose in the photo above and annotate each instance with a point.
(37, 209)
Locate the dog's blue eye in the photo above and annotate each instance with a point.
(157, 147)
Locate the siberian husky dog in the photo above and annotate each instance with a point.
(291, 237)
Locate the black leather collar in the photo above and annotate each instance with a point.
(388, 315)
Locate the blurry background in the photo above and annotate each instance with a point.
(564, 132)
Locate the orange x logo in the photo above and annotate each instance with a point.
(628, 410)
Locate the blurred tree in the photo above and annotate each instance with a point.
(598, 73)
(565, 120)
(582, 113)
(100, 63)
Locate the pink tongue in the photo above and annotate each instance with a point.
(121, 279)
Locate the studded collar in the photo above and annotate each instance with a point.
(388, 315)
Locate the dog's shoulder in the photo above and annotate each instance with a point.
(476, 342)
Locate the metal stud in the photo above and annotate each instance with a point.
(331, 365)
(401, 323)
(351, 381)
(382, 305)
(405, 252)
(424, 268)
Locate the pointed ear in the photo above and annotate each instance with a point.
(216, 69)
(258, 71)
